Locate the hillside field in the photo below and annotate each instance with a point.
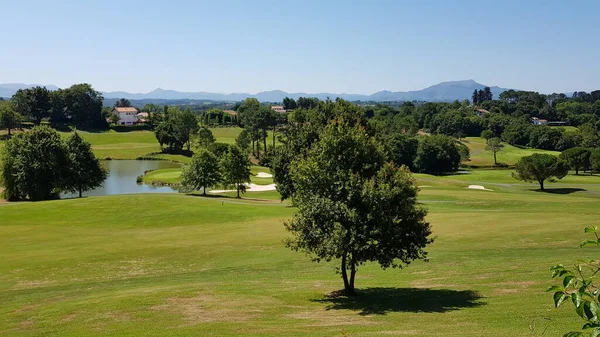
(509, 154)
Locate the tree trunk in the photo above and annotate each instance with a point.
(541, 184)
(495, 162)
(265, 139)
(348, 283)
(8, 132)
(352, 273)
(274, 130)
(253, 152)
(80, 192)
(577, 171)
(238, 190)
(204, 191)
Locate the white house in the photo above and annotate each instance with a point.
(127, 116)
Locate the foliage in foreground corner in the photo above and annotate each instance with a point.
(578, 286)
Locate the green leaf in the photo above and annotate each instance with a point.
(559, 297)
(568, 280)
(576, 297)
(554, 289)
(591, 229)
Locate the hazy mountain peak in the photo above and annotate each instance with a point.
(444, 91)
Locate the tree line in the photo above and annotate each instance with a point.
(39, 165)
(79, 105)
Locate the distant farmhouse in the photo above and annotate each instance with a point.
(130, 116)
(278, 108)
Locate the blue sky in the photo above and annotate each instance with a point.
(301, 46)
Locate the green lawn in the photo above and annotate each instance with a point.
(176, 265)
(509, 154)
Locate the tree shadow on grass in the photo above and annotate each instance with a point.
(380, 301)
(563, 190)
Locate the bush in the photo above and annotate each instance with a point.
(128, 128)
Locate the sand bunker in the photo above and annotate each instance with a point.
(264, 175)
(478, 187)
(250, 188)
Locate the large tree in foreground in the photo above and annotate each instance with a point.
(34, 165)
(235, 167)
(354, 208)
(84, 172)
(540, 167)
(202, 172)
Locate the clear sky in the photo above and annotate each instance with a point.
(301, 46)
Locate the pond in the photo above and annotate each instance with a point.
(123, 175)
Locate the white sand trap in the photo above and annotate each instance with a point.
(422, 186)
(264, 175)
(478, 187)
(250, 188)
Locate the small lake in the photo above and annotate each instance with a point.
(122, 178)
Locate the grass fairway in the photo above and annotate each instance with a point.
(175, 265)
(509, 154)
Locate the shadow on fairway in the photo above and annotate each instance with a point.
(380, 301)
(565, 190)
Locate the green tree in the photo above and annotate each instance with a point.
(281, 162)
(189, 124)
(595, 159)
(579, 285)
(487, 134)
(123, 103)
(34, 165)
(540, 167)
(205, 137)
(9, 118)
(33, 103)
(203, 171)
(289, 103)
(494, 145)
(236, 168)
(353, 208)
(437, 154)
(83, 104)
(577, 158)
(243, 140)
(114, 118)
(172, 131)
(402, 149)
(84, 171)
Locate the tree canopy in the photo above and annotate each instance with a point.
(34, 165)
(202, 172)
(540, 167)
(84, 171)
(236, 169)
(354, 208)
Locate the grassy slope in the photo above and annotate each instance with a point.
(509, 155)
(186, 266)
(130, 145)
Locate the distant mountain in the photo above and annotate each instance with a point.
(445, 91)
(9, 89)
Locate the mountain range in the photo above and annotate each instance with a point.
(445, 91)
